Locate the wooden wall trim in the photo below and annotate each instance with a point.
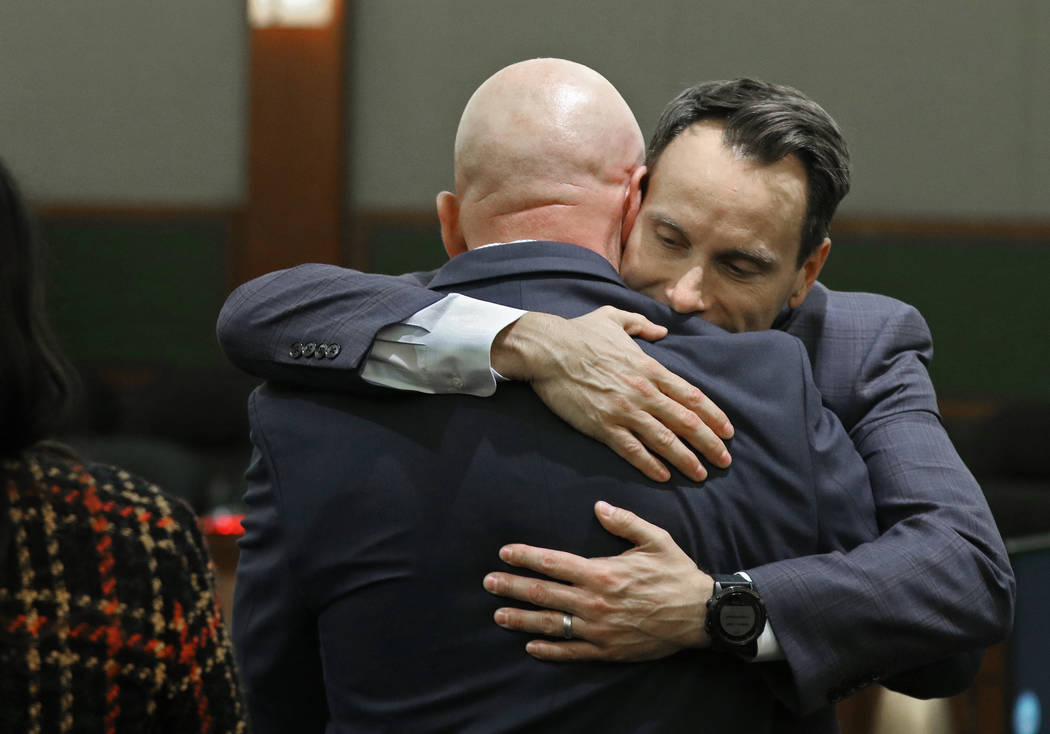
(296, 146)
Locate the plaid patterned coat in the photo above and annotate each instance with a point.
(108, 617)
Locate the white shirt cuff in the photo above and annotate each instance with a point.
(768, 647)
(443, 348)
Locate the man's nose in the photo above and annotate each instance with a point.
(685, 295)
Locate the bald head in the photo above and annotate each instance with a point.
(537, 136)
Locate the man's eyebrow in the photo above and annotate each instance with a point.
(760, 258)
(667, 222)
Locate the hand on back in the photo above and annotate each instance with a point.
(592, 374)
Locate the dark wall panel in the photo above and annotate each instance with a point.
(985, 300)
(138, 291)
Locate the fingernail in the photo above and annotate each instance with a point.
(501, 617)
(490, 582)
(504, 553)
(534, 648)
(604, 509)
(700, 474)
(727, 430)
(725, 459)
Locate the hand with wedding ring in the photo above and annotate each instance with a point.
(643, 604)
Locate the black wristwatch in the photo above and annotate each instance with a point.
(736, 616)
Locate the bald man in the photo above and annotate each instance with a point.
(370, 522)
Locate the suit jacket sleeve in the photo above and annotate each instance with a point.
(320, 304)
(275, 633)
(936, 579)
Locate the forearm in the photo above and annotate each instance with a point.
(266, 325)
(936, 583)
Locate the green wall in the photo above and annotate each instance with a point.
(985, 300)
(138, 292)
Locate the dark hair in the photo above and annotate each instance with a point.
(36, 380)
(767, 122)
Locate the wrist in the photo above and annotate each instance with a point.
(515, 346)
(704, 589)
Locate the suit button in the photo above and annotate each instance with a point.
(333, 351)
(457, 383)
(296, 351)
(308, 349)
(322, 350)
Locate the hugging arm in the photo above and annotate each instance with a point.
(940, 553)
(587, 370)
(936, 582)
(631, 608)
(267, 325)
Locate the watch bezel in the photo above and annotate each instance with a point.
(731, 591)
(740, 597)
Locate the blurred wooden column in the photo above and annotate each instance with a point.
(296, 145)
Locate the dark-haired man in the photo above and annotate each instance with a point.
(744, 179)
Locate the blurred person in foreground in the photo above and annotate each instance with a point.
(108, 615)
(743, 180)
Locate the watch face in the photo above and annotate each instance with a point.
(738, 616)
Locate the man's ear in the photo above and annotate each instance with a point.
(451, 231)
(807, 274)
(632, 202)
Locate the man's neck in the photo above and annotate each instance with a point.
(607, 252)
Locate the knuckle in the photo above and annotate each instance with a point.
(548, 563)
(500, 585)
(608, 581)
(634, 451)
(570, 652)
(695, 395)
(691, 422)
(639, 384)
(663, 438)
(537, 593)
(624, 517)
(596, 608)
(662, 536)
(620, 404)
(512, 619)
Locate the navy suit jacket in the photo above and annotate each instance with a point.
(937, 580)
(371, 523)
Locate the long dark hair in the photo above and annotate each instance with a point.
(36, 379)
